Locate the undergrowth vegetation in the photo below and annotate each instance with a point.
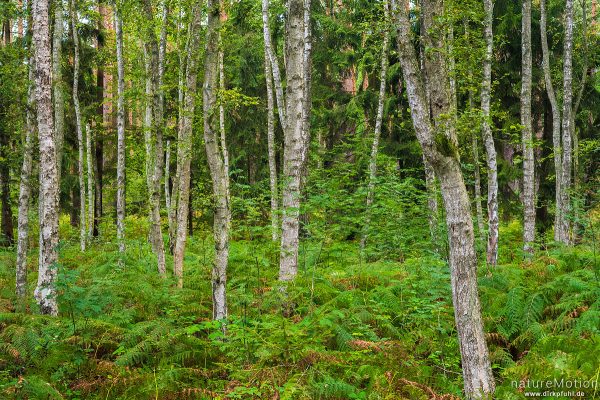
(351, 328)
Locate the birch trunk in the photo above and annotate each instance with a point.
(556, 118)
(477, 176)
(120, 130)
(488, 138)
(90, 181)
(271, 150)
(564, 223)
(378, 124)
(57, 83)
(78, 126)
(25, 197)
(527, 131)
(440, 148)
(294, 139)
(184, 143)
(216, 163)
(153, 137)
(45, 292)
(274, 63)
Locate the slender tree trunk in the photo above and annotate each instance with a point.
(274, 63)
(295, 142)
(78, 126)
(45, 292)
(216, 163)
(57, 81)
(169, 201)
(378, 124)
(477, 176)
(271, 150)
(154, 139)
(90, 180)
(439, 146)
(120, 131)
(527, 131)
(556, 118)
(184, 143)
(25, 196)
(564, 224)
(488, 138)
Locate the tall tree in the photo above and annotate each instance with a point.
(120, 128)
(564, 223)
(556, 118)
(79, 127)
(439, 143)
(45, 292)
(527, 130)
(295, 134)
(274, 63)
(6, 229)
(25, 194)
(184, 143)
(216, 162)
(154, 135)
(378, 120)
(488, 138)
(57, 82)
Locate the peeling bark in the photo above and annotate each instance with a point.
(120, 131)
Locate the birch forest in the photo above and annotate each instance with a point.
(299, 199)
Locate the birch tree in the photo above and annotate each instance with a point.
(120, 129)
(184, 143)
(57, 82)
(216, 162)
(45, 292)
(25, 194)
(378, 121)
(295, 135)
(78, 127)
(439, 143)
(527, 130)
(564, 223)
(488, 138)
(153, 136)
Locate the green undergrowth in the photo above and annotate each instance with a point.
(346, 328)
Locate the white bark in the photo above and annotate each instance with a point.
(271, 151)
(90, 180)
(57, 83)
(527, 130)
(378, 124)
(564, 223)
(184, 143)
(120, 130)
(439, 147)
(295, 137)
(25, 196)
(45, 292)
(153, 137)
(216, 163)
(78, 126)
(274, 63)
(556, 116)
(488, 138)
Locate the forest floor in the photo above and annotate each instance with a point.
(350, 329)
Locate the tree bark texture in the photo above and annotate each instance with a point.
(120, 130)
(488, 138)
(295, 143)
(439, 147)
(214, 155)
(45, 292)
(527, 130)
(78, 127)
